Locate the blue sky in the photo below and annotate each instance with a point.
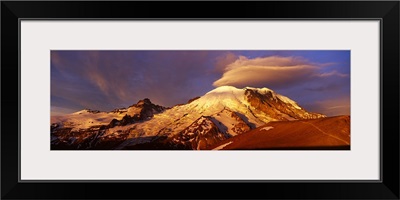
(104, 80)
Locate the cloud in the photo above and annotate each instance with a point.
(331, 107)
(259, 76)
(104, 80)
(327, 87)
(333, 73)
(223, 60)
(268, 61)
(273, 71)
(85, 77)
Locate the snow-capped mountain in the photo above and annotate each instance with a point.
(82, 128)
(219, 114)
(84, 119)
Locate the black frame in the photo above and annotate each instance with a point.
(386, 11)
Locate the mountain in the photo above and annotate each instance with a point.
(87, 129)
(84, 119)
(324, 133)
(220, 114)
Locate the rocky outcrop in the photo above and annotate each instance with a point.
(275, 107)
(201, 134)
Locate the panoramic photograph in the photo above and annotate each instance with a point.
(200, 100)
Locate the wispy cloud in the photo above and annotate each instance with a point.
(333, 73)
(331, 107)
(104, 80)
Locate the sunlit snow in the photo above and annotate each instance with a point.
(223, 146)
(266, 128)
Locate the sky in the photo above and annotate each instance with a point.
(318, 80)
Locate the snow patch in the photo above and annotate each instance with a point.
(223, 146)
(266, 128)
(224, 89)
(263, 90)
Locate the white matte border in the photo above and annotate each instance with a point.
(39, 37)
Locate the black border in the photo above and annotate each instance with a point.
(195, 180)
(386, 11)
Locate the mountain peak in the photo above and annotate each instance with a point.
(223, 89)
(263, 90)
(86, 110)
(144, 101)
(227, 88)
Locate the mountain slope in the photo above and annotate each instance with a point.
(325, 133)
(201, 134)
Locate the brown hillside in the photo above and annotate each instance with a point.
(315, 134)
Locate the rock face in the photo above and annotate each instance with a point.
(201, 134)
(277, 106)
(146, 111)
(222, 113)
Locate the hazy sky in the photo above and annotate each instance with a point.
(104, 80)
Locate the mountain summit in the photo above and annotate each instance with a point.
(218, 115)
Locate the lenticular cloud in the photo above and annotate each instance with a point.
(273, 71)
